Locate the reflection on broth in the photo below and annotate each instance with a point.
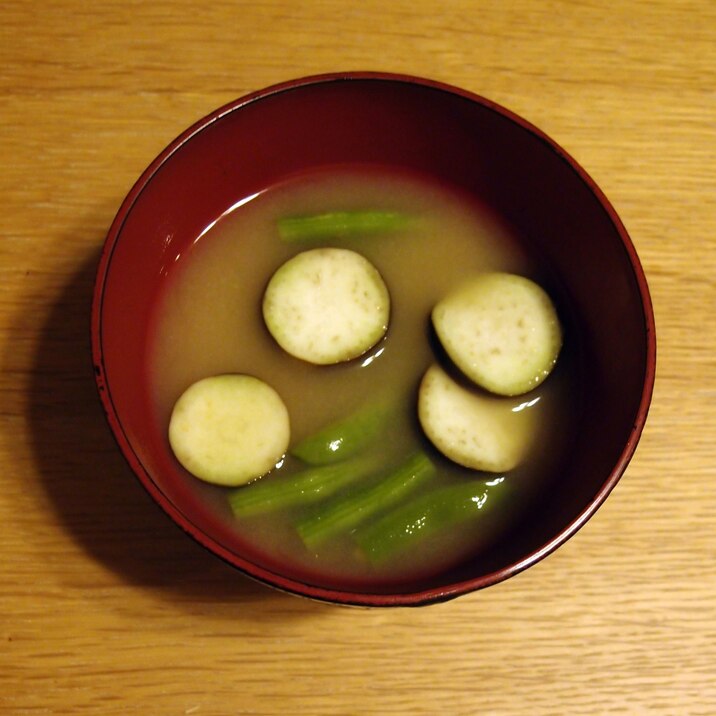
(210, 323)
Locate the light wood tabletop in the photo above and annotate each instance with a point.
(107, 608)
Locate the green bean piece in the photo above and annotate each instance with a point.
(339, 224)
(342, 513)
(274, 492)
(344, 438)
(427, 515)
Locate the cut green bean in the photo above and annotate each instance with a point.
(343, 513)
(344, 438)
(426, 516)
(275, 492)
(339, 224)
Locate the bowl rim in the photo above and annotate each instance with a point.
(294, 586)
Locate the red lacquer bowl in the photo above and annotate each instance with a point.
(419, 125)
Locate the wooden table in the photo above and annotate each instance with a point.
(107, 608)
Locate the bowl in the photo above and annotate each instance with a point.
(418, 125)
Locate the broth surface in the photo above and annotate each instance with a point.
(209, 322)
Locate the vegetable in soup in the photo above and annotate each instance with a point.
(366, 495)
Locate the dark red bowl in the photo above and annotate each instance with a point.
(416, 124)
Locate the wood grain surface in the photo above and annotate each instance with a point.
(107, 608)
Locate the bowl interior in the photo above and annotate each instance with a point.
(420, 126)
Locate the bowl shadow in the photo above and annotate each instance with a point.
(96, 495)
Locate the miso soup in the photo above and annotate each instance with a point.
(210, 323)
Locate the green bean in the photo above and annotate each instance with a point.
(342, 513)
(428, 515)
(275, 492)
(339, 224)
(344, 438)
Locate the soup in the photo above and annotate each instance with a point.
(210, 323)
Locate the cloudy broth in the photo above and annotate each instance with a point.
(209, 322)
